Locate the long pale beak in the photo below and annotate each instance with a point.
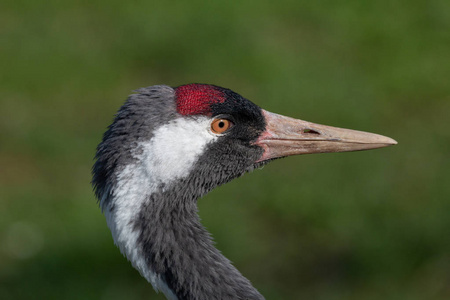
(286, 136)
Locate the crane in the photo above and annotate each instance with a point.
(166, 148)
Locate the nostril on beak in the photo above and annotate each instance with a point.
(310, 131)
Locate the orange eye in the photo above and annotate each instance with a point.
(219, 126)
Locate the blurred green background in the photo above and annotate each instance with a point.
(363, 225)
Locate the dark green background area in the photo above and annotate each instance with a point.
(363, 225)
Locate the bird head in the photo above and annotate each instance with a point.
(202, 136)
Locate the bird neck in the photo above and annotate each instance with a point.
(161, 234)
(180, 251)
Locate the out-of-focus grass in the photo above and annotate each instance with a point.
(365, 225)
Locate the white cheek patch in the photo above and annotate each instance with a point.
(168, 156)
(175, 147)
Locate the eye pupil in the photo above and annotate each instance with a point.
(221, 124)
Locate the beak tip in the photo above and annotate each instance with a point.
(390, 141)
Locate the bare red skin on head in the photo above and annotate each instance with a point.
(196, 99)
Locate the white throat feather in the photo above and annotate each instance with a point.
(168, 156)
